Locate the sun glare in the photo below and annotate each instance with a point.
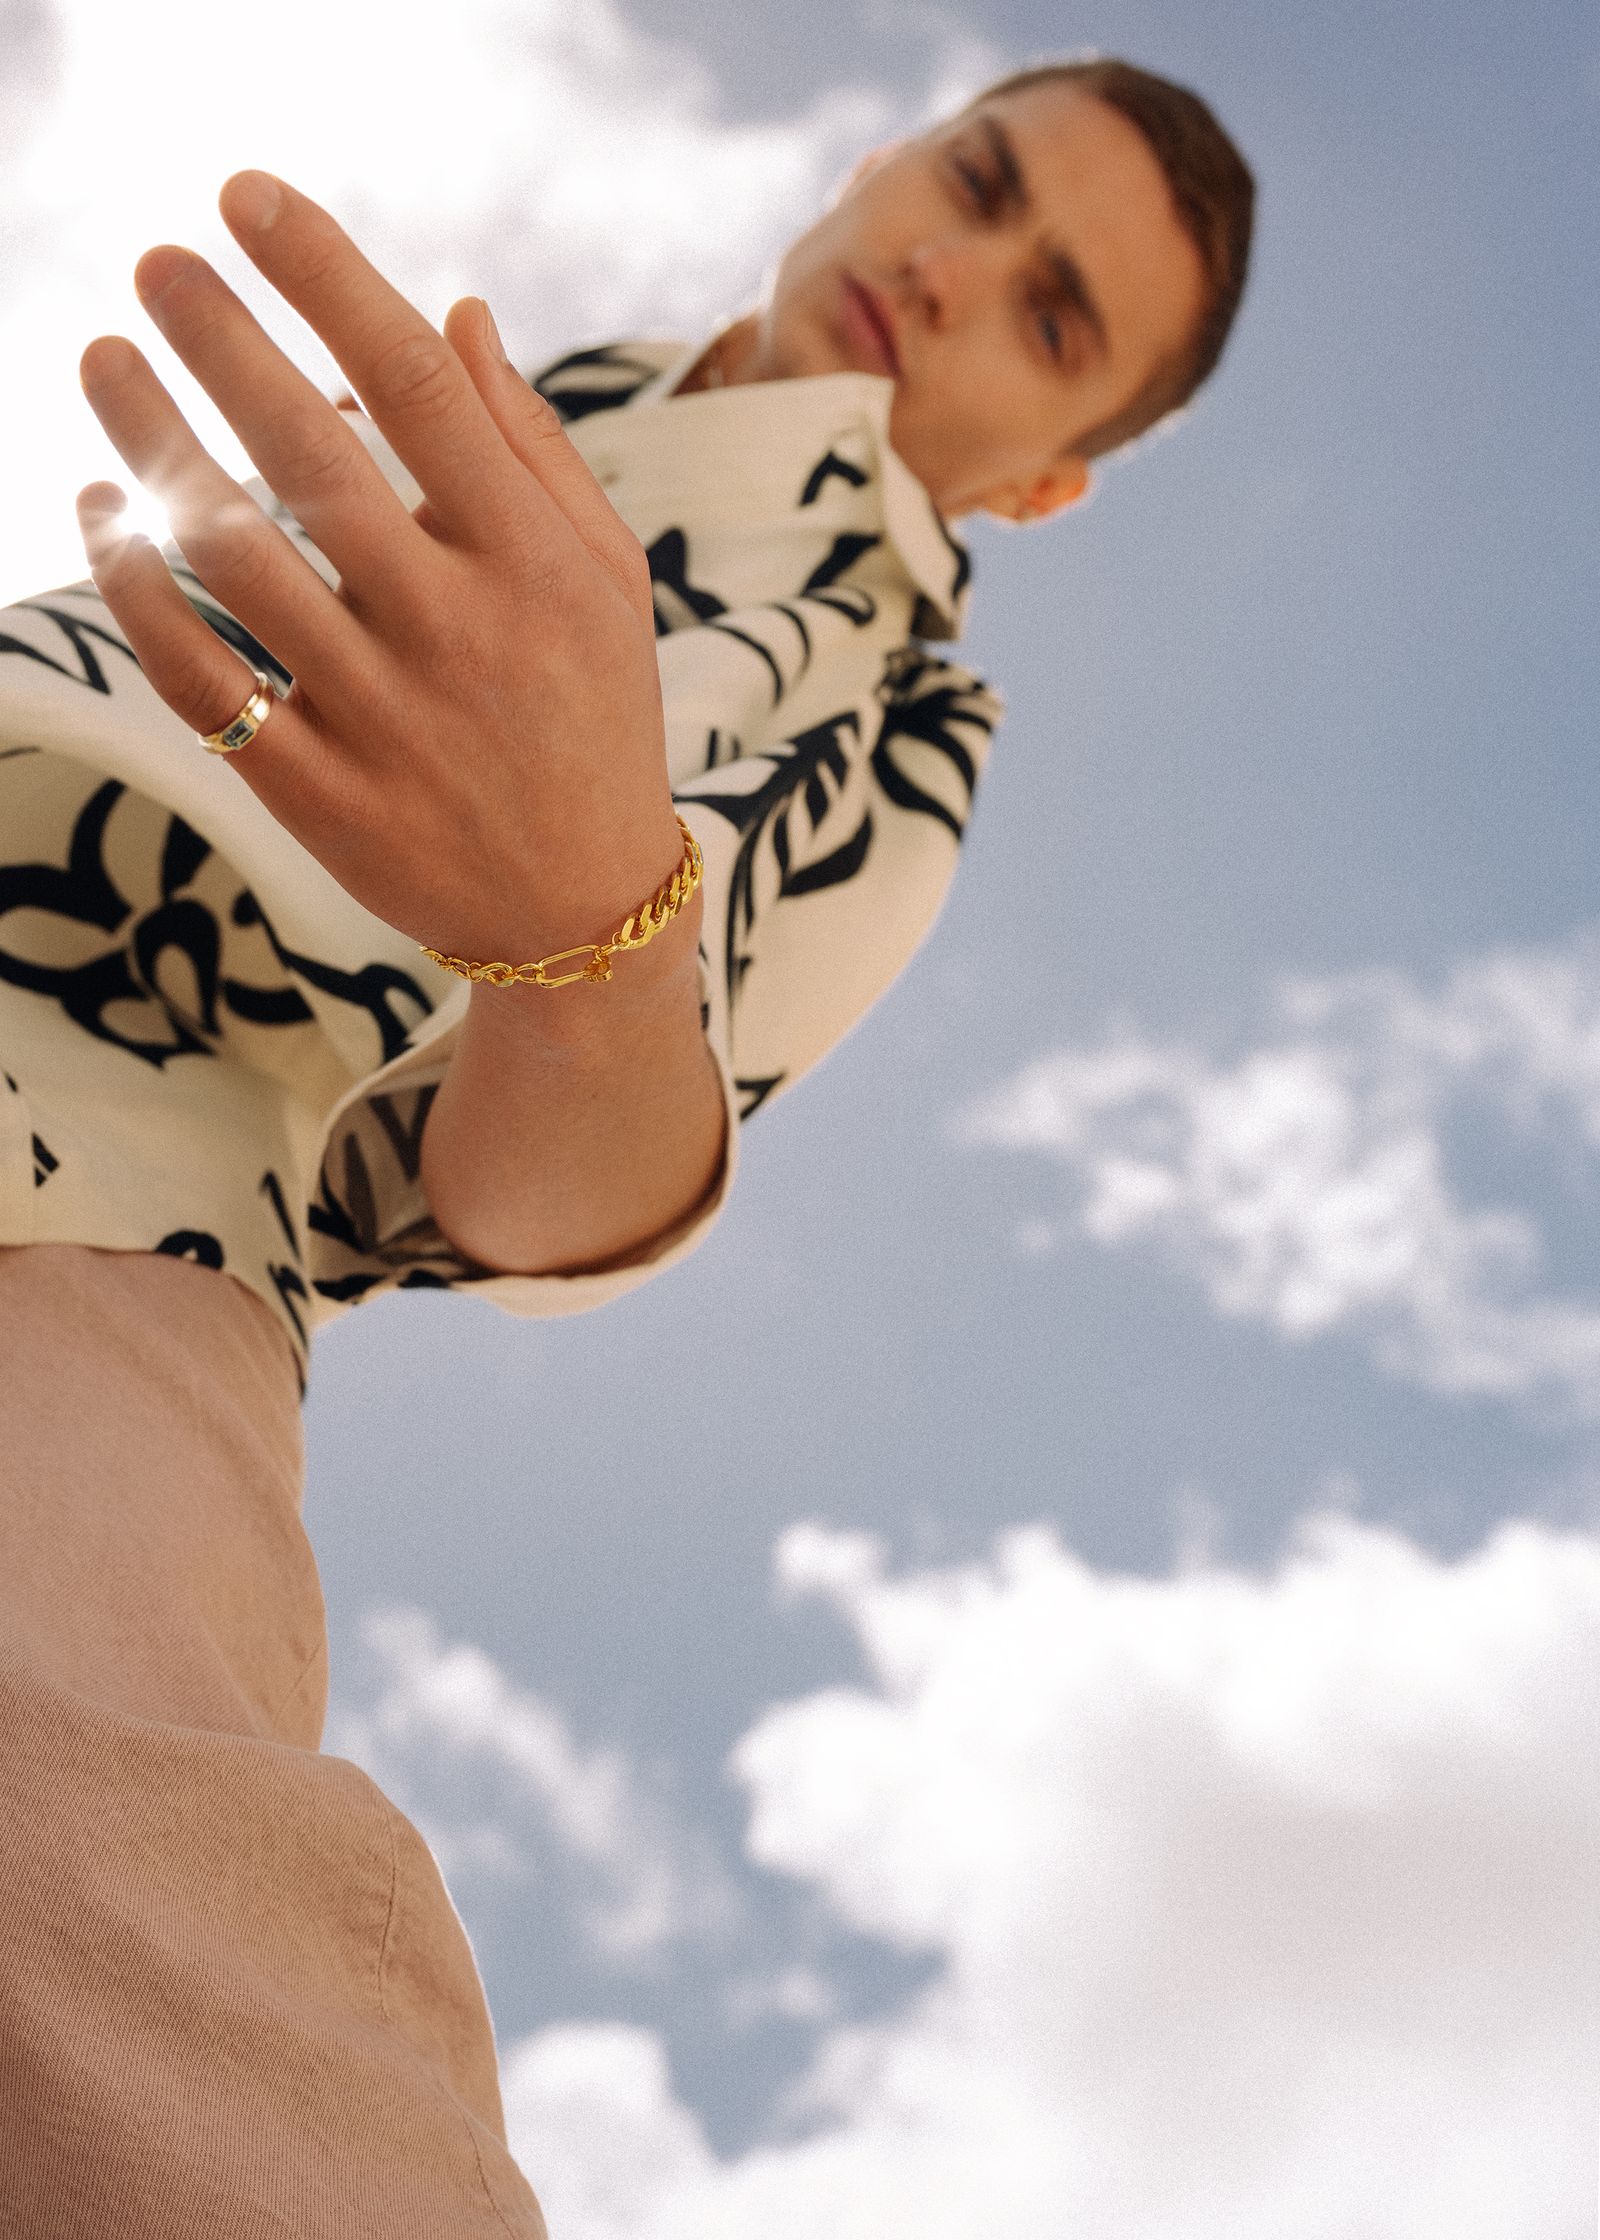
(144, 514)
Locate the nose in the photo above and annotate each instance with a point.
(944, 280)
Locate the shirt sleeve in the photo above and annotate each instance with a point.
(828, 852)
(827, 858)
(372, 1227)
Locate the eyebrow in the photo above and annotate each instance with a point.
(1017, 196)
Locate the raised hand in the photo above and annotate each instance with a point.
(473, 745)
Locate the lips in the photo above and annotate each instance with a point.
(870, 327)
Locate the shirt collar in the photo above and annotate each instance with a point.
(935, 559)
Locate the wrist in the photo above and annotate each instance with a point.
(656, 984)
(500, 964)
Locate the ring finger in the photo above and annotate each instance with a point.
(201, 679)
(288, 766)
(238, 554)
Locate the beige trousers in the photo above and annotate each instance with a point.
(235, 1999)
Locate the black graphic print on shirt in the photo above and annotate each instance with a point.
(785, 816)
(927, 706)
(677, 600)
(163, 965)
(828, 465)
(45, 1161)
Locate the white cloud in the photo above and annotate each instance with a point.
(1263, 1903)
(590, 2108)
(560, 161)
(1307, 1183)
(497, 1783)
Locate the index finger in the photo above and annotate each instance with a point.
(405, 373)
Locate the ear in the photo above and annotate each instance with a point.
(1066, 483)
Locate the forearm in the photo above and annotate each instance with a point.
(575, 1124)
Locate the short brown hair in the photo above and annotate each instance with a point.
(1213, 193)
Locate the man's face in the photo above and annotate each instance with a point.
(1019, 272)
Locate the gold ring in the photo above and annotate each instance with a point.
(246, 723)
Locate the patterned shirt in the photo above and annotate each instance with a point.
(208, 1048)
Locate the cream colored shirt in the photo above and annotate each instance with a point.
(208, 1048)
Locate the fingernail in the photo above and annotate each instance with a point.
(161, 269)
(254, 199)
(108, 358)
(101, 524)
(101, 501)
(491, 334)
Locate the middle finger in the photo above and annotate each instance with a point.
(304, 446)
(411, 381)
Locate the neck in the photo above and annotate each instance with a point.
(727, 360)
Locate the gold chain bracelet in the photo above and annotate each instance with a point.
(640, 926)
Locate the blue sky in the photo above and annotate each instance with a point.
(1054, 1662)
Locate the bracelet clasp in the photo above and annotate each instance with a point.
(638, 928)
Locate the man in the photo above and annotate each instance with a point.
(617, 696)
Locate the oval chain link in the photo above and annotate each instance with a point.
(639, 927)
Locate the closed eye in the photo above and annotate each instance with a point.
(987, 198)
(982, 191)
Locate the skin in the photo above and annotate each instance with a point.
(389, 759)
(997, 376)
(573, 1127)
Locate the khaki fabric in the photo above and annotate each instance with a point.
(235, 1998)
